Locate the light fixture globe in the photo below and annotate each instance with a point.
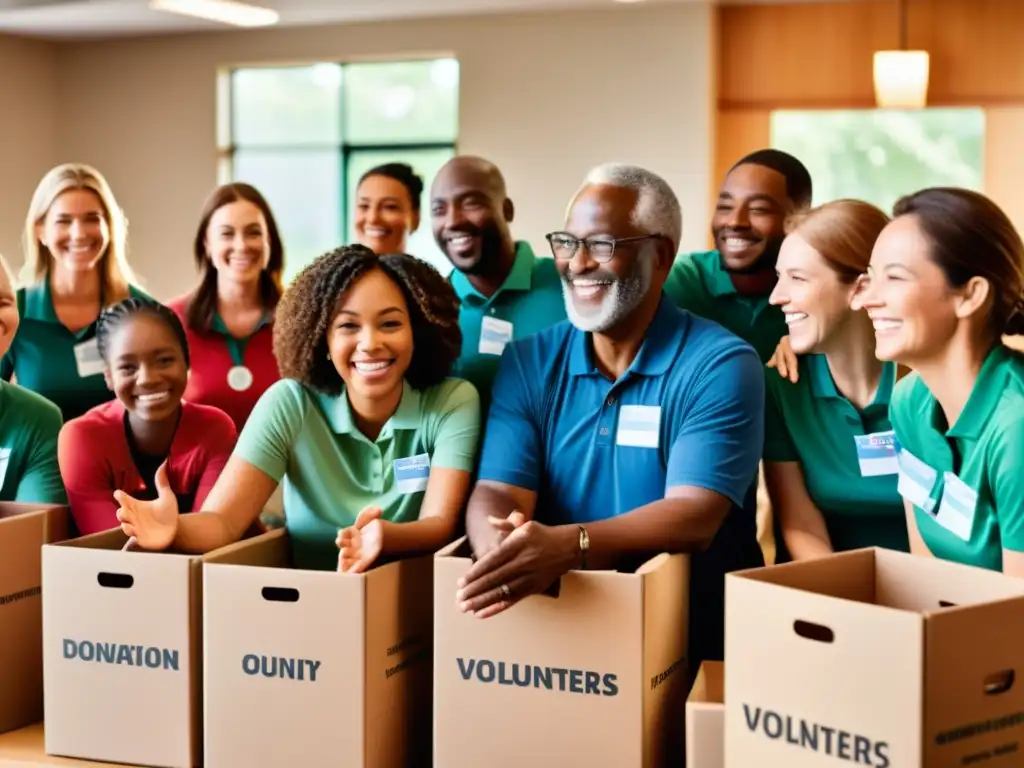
(901, 79)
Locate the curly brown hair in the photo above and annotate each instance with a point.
(312, 301)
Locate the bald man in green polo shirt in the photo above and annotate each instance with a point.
(506, 292)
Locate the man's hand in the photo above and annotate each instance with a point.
(526, 562)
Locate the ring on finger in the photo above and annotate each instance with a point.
(506, 593)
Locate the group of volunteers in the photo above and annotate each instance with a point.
(582, 411)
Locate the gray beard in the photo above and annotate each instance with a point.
(619, 301)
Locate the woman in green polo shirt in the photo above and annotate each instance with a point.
(946, 283)
(375, 442)
(29, 424)
(830, 460)
(75, 265)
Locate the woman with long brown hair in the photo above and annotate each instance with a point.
(229, 316)
(830, 457)
(946, 283)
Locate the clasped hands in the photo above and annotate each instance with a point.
(522, 557)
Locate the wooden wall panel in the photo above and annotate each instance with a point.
(1004, 162)
(819, 55)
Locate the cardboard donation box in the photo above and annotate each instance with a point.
(705, 718)
(316, 668)
(122, 652)
(595, 675)
(24, 529)
(874, 658)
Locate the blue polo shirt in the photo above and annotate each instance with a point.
(688, 411)
(529, 300)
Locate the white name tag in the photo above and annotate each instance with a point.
(956, 510)
(494, 335)
(876, 454)
(639, 426)
(916, 481)
(5, 459)
(87, 358)
(412, 474)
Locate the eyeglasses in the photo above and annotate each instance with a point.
(601, 249)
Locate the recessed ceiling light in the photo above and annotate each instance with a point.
(225, 11)
(629, 1)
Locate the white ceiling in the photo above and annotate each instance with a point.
(76, 19)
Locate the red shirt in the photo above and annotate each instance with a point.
(215, 352)
(96, 459)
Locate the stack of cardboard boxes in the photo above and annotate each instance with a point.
(234, 658)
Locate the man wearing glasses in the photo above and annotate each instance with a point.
(635, 429)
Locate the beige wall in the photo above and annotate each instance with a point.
(543, 95)
(29, 114)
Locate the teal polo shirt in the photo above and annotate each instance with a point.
(689, 411)
(331, 470)
(698, 282)
(47, 358)
(966, 482)
(528, 301)
(29, 428)
(810, 422)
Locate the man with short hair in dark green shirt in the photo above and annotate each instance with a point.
(731, 284)
(506, 291)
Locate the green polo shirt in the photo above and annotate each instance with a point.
(810, 422)
(528, 301)
(698, 283)
(966, 482)
(29, 426)
(332, 471)
(47, 358)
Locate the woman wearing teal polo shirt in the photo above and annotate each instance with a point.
(376, 443)
(830, 461)
(29, 425)
(946, 283)
(229, 316)
(75, 265)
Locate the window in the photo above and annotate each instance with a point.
(880, 155)
(303, 135)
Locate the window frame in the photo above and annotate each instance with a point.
(227, 148)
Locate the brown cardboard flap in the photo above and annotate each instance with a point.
(928, 585)
(709, 686)
(270, 549)
(112, 539)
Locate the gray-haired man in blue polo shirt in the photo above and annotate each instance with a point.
(633, 429)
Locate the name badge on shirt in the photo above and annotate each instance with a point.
(412, 474)
(876, 454)
(87, 358)
(5, 459)
(494, 335)
(639, 426)
(916, 480)
(956, 510)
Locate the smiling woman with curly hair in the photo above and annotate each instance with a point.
(366, 425)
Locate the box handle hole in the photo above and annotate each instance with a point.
(998, 683)
(946, 604)
(816, 632)
(281, 594)
(115, 580)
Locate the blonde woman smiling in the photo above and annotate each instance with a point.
(75, 265)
